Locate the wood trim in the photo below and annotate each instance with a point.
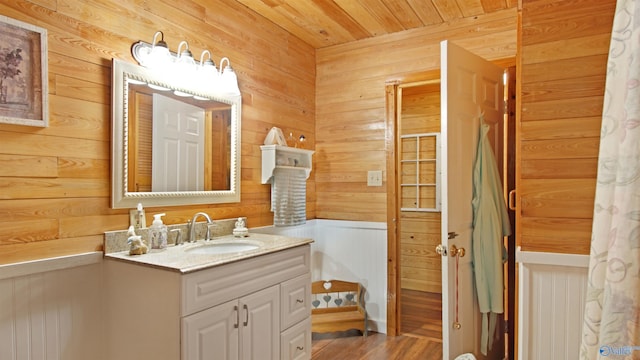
(415, 77)
(393, 252)
(518, 174)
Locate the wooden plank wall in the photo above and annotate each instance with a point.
(419, 232)
(351, 134)
(55, 182)
(562, 66)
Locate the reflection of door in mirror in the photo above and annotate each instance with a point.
(178, 145)
(213, 164)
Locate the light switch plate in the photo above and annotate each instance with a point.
(374, 178)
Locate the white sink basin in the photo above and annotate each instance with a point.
(222, 248)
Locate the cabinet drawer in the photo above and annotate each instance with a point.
(295, 342)
(296, 300)
(206, 288)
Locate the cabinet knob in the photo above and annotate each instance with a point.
(246, 314)
(300, 301)
(300, 348)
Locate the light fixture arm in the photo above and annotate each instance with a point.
(185, 51)
(222, 61)
(202, 56)
(155, 36)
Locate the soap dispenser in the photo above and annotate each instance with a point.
(137, 219)
(158, 233)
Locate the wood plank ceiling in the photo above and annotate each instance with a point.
(322, 23)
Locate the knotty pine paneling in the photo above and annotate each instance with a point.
(351, 135)
(56, 181)
(562, 65)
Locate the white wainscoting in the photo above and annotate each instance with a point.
(552, 291)
(52, 309)
(351, 251)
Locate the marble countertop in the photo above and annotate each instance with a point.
(183, 259)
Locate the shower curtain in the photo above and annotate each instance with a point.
(611, 328)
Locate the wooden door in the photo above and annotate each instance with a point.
(470, 86)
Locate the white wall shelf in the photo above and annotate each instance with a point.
(277, 156)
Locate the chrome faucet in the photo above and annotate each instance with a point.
(192, 227)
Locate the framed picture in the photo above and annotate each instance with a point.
(23, 73)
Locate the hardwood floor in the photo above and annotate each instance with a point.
(376, 346)
(421, 339)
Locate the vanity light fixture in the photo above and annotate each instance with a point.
(182, 67)
(229, 79)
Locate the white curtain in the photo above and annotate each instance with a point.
(611, 328)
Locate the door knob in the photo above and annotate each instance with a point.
(442, 250)
(456, 251)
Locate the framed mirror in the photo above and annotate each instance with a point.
(172, 145)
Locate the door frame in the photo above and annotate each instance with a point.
(392, 89)
(393, 210)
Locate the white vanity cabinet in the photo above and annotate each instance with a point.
(257, 308)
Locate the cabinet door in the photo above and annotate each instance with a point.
(211, 334)
(260, 325)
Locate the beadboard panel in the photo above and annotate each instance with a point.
(350, 102)
(562, 66)
(53, 314)
(552, 293)
(56, 181)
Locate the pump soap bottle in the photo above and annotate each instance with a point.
(137, 219)
(158, 233)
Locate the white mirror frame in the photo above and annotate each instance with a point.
(120, 196)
